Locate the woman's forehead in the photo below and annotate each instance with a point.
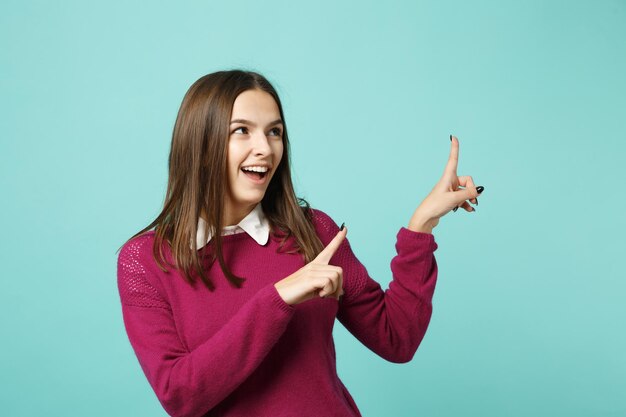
(256, 106)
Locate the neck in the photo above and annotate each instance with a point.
(231, 216)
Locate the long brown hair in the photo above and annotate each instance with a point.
(198, 179)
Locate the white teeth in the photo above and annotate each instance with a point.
(256, 169)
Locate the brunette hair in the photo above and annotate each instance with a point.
(198, 179)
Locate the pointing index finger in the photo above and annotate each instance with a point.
(330, 249)
(453, 159)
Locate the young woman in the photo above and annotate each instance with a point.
(251, 334)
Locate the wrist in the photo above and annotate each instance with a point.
(420, 229)
(421, 225)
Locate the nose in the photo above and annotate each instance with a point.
(260, 144)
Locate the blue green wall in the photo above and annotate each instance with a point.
(529, 308)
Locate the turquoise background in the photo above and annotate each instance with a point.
(529, 308)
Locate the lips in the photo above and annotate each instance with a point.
(256, 177)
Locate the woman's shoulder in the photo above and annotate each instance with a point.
(140, 241)
(138, 279)
(137, 247)
(323, 221)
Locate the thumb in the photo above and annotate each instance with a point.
(330, 249)
(465, 194)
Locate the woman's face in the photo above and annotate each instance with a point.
(256, 140)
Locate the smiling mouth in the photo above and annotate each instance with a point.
(255, 175)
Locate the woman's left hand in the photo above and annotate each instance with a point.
(446, 195)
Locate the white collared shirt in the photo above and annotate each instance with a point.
(255, 224)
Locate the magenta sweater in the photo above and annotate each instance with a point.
(246, 352)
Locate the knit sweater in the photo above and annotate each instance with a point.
(238, 352)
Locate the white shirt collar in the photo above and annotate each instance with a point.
(255, 224)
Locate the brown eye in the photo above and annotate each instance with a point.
(242, 127)
(277, 130)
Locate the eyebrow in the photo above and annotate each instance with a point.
(248, 122)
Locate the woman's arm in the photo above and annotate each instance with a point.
(391, 323)
(190, 383)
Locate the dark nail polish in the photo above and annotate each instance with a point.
(455, 209)
(480, 189)
(450, 138)
(341, 228)
(476, 201)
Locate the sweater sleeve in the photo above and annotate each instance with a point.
(391, 323)
(190, 383)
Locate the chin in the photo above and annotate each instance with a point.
(251, 199)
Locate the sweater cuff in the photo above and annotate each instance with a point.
(420, 238)
(278, 301)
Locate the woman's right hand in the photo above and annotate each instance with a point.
(306, 282)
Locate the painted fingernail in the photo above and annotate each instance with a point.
(342, 224)
(455, 209)
(480, 189)
(450, 138)
(476, 201)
